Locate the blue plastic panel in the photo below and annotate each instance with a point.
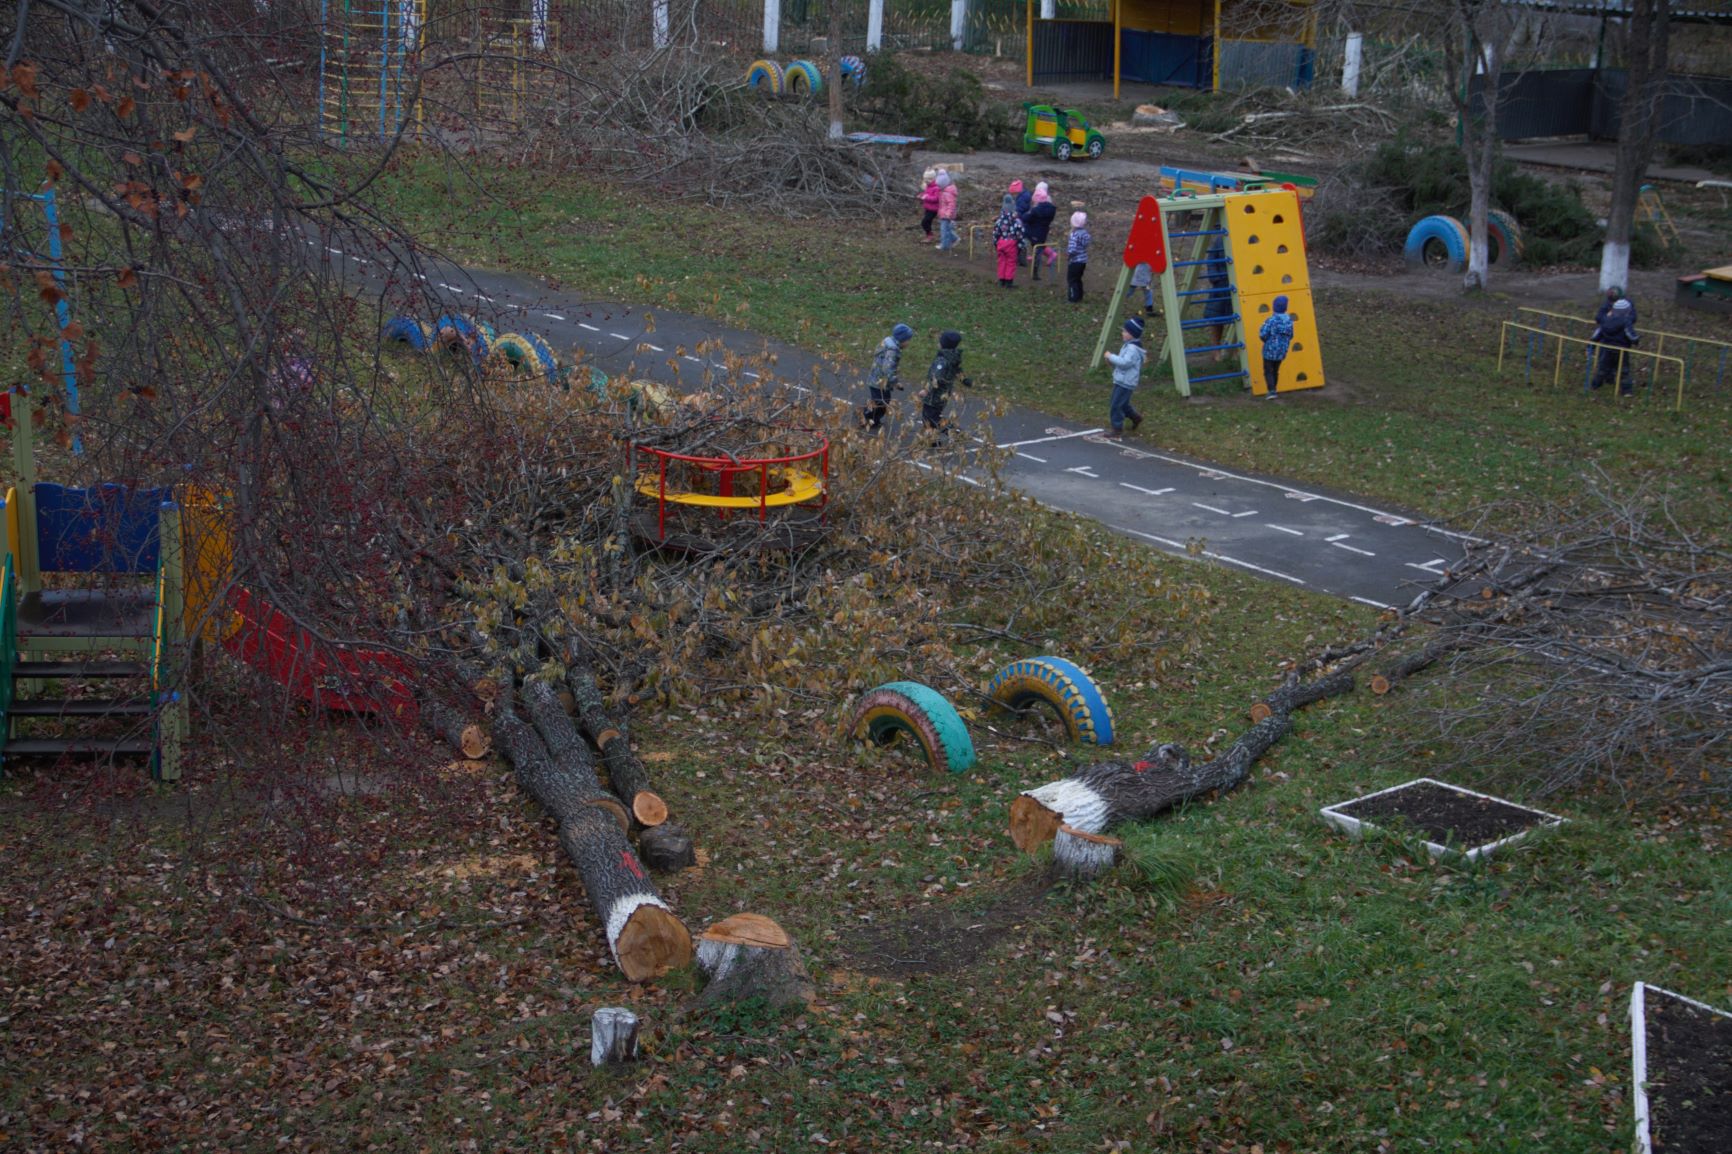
(108, 529)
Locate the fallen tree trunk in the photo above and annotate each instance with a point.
(1103, 795)
(1298, 694)
(625, 771)
(455, 729)
(565, 747)
(646, 938)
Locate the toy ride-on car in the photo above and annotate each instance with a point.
(1064, 130)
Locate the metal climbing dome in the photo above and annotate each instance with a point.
(368, 50)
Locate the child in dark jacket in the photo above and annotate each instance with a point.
(1037, 225)
(881, 386)
(1078, 251)
(1276, 333)
(941, 380)
(1616, 330)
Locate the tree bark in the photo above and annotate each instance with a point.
(625, 770)
(456, 730)
(644, 935)
(1647, 44)
(612, 1036)
(750, 956)
(566, 749)
(1084, 856)
(1299, 694)
(835, 71)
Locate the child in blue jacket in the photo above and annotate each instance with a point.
(1127, 371)
(1276, 334)
(881, 386)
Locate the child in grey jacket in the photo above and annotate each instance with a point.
(1127, 371)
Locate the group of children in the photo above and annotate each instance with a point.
(1019, 236)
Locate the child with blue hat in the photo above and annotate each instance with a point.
(1276, 333)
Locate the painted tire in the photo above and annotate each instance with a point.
(1437, 242)
(802, 78)
(911, 708)
(549, 363)
(853, 70)
(455, 333)
(765, 74)
(1096, 146)
(406, 330)
(1070, 691)
(1061, 149)
(515, 349)
(1504, 237)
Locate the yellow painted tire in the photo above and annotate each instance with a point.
(765, 75)
(802, 78)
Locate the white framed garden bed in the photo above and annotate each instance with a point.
(1691, 1122)
(1482, 810)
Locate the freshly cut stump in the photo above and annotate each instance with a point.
(748, 956)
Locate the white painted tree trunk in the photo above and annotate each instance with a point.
(1614, 265)
(1350, 63)
(612, 1036)
(659, 14)
(772, 25)
(958, 23)
(875, 25)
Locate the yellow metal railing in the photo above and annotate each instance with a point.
(1657, 359)
(1722, 359)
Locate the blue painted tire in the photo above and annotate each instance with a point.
(802, 78)
(853, 70)
(1437, 242)
(406, 330)
(549, 363)
(900, 707)
(459, 334)
(1055, 681)
(1504, 236)
(765, 75)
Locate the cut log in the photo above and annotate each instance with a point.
(1382, 683)
(644, 935)
(625, 771)
(666, 848)
(566, 747)
(1084, 856)
(1300, 694)
(455, 729)
(750, 956)
(612, 1036)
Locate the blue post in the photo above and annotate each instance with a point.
(62, 308)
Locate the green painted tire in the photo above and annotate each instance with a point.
(802, 78)
(1054, 681)
(909, 707)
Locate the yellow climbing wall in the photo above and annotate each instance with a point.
(1266, 238)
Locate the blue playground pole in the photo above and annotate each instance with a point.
(62, 308)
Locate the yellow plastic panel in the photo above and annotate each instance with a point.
(1303, 368)
(1268, 243)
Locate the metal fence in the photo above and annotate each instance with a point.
(1584, 102)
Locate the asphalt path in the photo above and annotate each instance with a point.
(1302, 535)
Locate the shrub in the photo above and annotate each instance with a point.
(950, 109)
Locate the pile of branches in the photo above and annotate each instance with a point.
(1597, 655)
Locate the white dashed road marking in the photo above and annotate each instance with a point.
(619, 336)
(1084, 471)
(591, 328)
(1283, 529)
(1369, 601)
(1213, 556)
(1430, 566)
(1044, 440)
(1150, 492)
(1252, 513)
(1032, 457)
(1211, 509)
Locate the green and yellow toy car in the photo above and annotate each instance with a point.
(1063, 130)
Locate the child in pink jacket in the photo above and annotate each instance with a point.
(929, 203)
(946, 212)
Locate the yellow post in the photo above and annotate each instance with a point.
(1558, 368)
(1215, 47)
(1502, 338)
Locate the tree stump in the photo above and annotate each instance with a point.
(750, 956)
(612, 1036)
(666, 848)
(1084, 856)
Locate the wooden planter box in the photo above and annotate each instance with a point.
(1511, 822)
(1696, 1114)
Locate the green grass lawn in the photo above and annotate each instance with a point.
(1415, 412)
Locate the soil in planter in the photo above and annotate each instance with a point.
(1689, 1077)
(1444, 815)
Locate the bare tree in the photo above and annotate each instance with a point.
(1647, 38)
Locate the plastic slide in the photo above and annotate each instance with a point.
(334, 677)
